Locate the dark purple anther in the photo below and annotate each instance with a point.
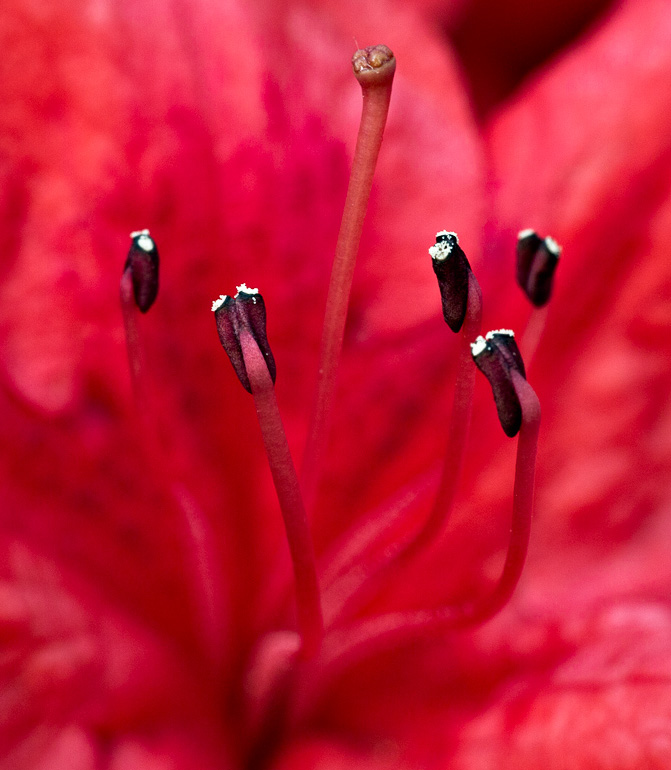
(452, 270)
(497, 357)
(537, 260)
(142, 261)
(504, 341)
(245, 312)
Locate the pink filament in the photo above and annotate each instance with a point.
(348, 587)
(308, 600)
(202, 560)
(533, 334)
(350, 644)
(460, 422)
(130, 313)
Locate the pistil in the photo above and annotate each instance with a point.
(374, 69)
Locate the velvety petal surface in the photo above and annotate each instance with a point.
(605, 707)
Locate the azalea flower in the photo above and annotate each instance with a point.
(145, 588)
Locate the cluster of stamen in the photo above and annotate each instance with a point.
(241, 326)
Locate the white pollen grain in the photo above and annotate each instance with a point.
(243, 288)
(448, 233)
(144, 240)
(552, 246)
(219, 302)
(525, 233)
(440, 251)
(506, 332)
(478, 347)
(145, 243)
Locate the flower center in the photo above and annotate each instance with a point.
(288, 667)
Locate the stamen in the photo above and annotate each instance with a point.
(138, 290)
(504, 342)
(537, 260)
(374, 69)
(345, 646)
(497, 356)
(451, 283)
(241, 324)
(528, 242)
(142, 261)
(469, 296)
(523, 495)
(246, 310)
(460, 421)
(452, 270)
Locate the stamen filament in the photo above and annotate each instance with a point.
(349, 644)
(376, 88)
(202, 561)
(130, 313)
(533, 333)
(460, 422)
(284, 475)
(523, 496)
(394, 556)
(537, 261)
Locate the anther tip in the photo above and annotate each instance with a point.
(244, 289)
(537, 260)
(243, 313)
(375, 64)
(445, 242)
(526, 233)
(452, 271)
(217, 303)
(553, 247)
(501, 332)
(498, 358)
(478, 347)
(143, 240)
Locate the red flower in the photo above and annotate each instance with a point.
(226, 129)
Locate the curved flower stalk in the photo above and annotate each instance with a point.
(234, 150)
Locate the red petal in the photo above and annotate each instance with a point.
(500, 44)
(607, 706)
